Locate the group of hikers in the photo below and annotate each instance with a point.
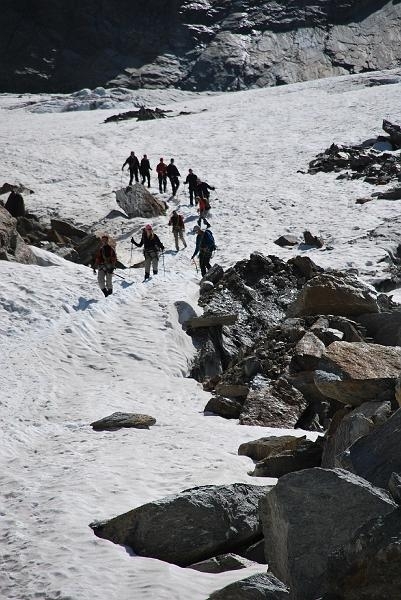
(196, 187)
(199, 193)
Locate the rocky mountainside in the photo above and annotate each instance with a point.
(56, 46)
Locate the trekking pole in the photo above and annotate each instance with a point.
(196, 266)
(120, 276)
(130, 260)
(164, 268)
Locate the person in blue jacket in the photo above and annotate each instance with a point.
(205, 246)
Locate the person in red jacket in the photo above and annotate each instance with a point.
(177, 223)
(161, 170)
(105, 263)
(203, 210)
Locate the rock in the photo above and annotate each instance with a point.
(394, 132)
(222, 563)
(191, 526)
(268, 446)
(304, 522)
(368, 567)
(313, 240)
(363, 200)
(392, 194)
(136, 201)
(68, 230)
(118, 420)
(232, 390)
(304, 267)
(262, 586)
(12, 246)
(214, 275)
(394, 485)
(229, 408)
(349, 426)
(286, 240)
(384, 327)
(353, 373)
(15, 205)
(308, 351)
(328, 294)
(255, 552)
(142, 114)
(376, 456)
(272, 404)
(305, 455)
(209, 320)
(6, 188)
(205, 287)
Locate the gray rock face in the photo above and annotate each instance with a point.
(191, 526)
(377, 455)
(354, 425)
(305, 455)
(136, 201)
(119, 420)
(262, 586)
(310, 514)
(222, 563)
(328, 294)
(353, 373)
(12, 246)
(210, 44)
(369, 566)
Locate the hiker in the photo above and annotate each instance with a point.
(161, 170)
(202, 189)
(145, 170)
(203, 210)
(177, 223)
(191, 180)
(133, 166)
(105, 263)
(152, 246)
(205, 245)
(173, 174)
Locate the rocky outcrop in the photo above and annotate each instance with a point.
(262, 586)
(222, 563)
(377, 455)
(12, 246)
(368, 567)
(347, 426)
(119, 420)
(304, 522)
(212, 44)
(189, 527)
(353, 373)
(136, 201)
(328, 294)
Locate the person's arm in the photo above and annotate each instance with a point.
(186, 181)
(197, 246)
(126, 162)
(136, 243)
(210, 187)
(158, 243)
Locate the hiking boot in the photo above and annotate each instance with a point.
(154, 272)
(109, 292)
(105, 292)
(147, 275)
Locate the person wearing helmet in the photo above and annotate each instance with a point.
(152, 247)
(205, 246)
(161, 170)
(105, 263)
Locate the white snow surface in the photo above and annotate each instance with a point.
(69, 356)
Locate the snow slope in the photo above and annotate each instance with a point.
(69, 356)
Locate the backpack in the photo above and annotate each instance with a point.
(208, 240)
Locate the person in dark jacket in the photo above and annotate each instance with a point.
(152, 247)
(173, 174)
(145, 170)
(177, 223)
(133, 166)
(105, 263)
(205, 246)
(202, 189)
(161, 170)
(191, 180)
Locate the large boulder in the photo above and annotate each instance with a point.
(368, 567)
(352, 425)
(305, 455)
(136, 201)
(269, 446)
(191, 526)
(353, 373)
(384, 328)
(119, 420)
(15, 205)
(222, 563)
(377, 455)
(310, 514)
(262, 586)
(329, 294)
(308, 351)
(272, 404)
(12, 246)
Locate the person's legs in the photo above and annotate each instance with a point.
(202, 264)
(148, 261)
(131, 176)
(101, 281)
(191, 197)
(109, 283)
(155, 264)
(160, 178)
(175, 234)
(136, 175)
(148, 178)
(181, 234)
(164, 183)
